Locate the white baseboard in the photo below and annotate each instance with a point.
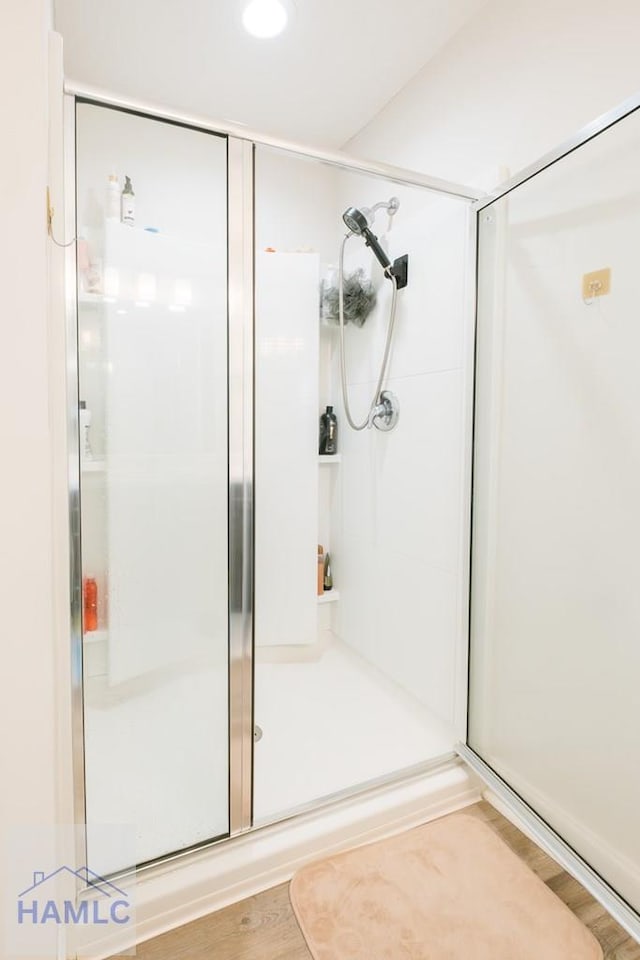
(172, 894)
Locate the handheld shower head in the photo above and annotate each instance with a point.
(355, 220)
(358, 223)
(358, 219)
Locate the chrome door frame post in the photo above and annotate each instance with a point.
(240, 173)
(73, 449)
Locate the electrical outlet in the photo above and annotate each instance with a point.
(596, 284)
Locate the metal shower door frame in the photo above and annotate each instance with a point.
(241, 254)
(240, 372)
(512, 803)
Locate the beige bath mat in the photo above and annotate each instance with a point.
(450, 890)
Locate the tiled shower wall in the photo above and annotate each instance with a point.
(397, 557)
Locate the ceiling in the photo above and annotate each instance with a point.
(336, 65)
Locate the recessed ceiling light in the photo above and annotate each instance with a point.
(265, 18)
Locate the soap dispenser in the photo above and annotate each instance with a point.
(128, 203)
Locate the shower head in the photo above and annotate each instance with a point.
(356, 220)
(358, 223)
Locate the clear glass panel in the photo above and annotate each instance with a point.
(359, 683)
(152, 335)
(555, 658)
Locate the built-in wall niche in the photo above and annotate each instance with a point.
(328, 491)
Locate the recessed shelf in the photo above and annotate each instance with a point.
(329, 597)
(330, 458)
(94, 466)
(93, 299)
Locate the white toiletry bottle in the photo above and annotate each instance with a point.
(85, 425)
(112, 211)
(128, 203)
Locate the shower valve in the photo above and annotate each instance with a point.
(384, 415)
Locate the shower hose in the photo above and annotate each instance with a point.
(368, 421)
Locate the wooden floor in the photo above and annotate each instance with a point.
(264, 927)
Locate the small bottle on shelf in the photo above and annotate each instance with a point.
(128, 203)
(85, 426)
(90, 605)
(328, 433)
(328, 577)
(320, 570)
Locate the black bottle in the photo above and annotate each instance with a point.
(328, 432)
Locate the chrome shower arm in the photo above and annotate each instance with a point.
(391, 206)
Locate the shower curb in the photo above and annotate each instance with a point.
(170, 895)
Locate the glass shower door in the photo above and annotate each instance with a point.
(354, 672)
(152, 344)
(555, 617)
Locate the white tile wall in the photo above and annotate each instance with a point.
(396, 559)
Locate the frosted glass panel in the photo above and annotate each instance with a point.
(555, 657)
(152, 332)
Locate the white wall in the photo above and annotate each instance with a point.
(396, 559)
(27, 716)
(295, 204)
(518, 79)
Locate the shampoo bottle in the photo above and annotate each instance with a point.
(328, 433)
(128, 203)
(320, 570)
(328, 577)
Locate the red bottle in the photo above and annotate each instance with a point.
(90, 617)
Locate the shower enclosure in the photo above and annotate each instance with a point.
(218, 688)
(220, 691)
